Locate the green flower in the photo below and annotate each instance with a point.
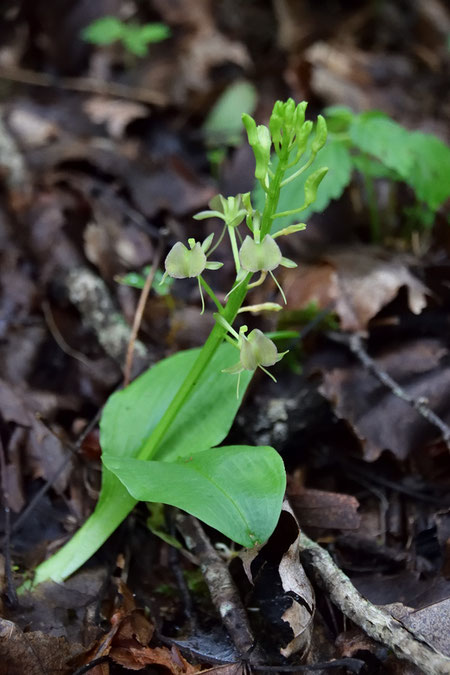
(263, 256)
(183, 263)
(187, 263)
(256, 350)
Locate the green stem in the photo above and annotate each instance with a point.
(273, 194)
(150, 445)
(234, 248)
(211, 294)
(298, 173)
(288, 213)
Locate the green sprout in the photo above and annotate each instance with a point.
(134, 37)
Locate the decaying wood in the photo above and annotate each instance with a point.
(224, 594)
(91, 297)
(378, 624)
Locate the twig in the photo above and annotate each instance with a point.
(86, 85)
(224, 594)
(354, 343)
(48, 484)
(60, 341)
(139, 312)
(378, 624)
(10, 590)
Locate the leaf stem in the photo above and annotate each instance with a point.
(211, 294)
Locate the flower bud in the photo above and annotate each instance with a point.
(259, 139)
(321, 135)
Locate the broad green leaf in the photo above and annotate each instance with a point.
(374, 168)
(422, 160)
(430, 174)
(113, 506)
(335, 155)
(131, 415)
(103, 31)
(383, 138)
(238, 490)
(224, 122)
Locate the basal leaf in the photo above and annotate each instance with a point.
(238, 490)
(203, 422)
(128, 417)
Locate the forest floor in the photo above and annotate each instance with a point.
(104, 157)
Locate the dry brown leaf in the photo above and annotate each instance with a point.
(330, 510)
(114, 113)
(32, 129)
(381, 420)
(35, 652)
(281, 556)
(358, 283)
(136, 658)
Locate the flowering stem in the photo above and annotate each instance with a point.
(273, 193)
(150, 445)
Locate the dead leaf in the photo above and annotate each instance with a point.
(431, 622)
(116, 114)
(381, 420)
(281, 588)
(32, 130)
(136, 658)
(34, 653)
(358, 283)
(329, 510)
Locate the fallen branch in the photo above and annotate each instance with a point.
(377, 623)
(224, 594)
(86, 85)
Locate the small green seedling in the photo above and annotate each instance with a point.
(377, 147)
(161, 435)
(134, 37)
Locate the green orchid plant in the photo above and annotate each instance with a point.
(161, 435)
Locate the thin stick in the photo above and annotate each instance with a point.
(48, 484)
(10, 590)
(60, 341)
(376, 623)
(86, 85)
(139, 312)
(354, 343)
